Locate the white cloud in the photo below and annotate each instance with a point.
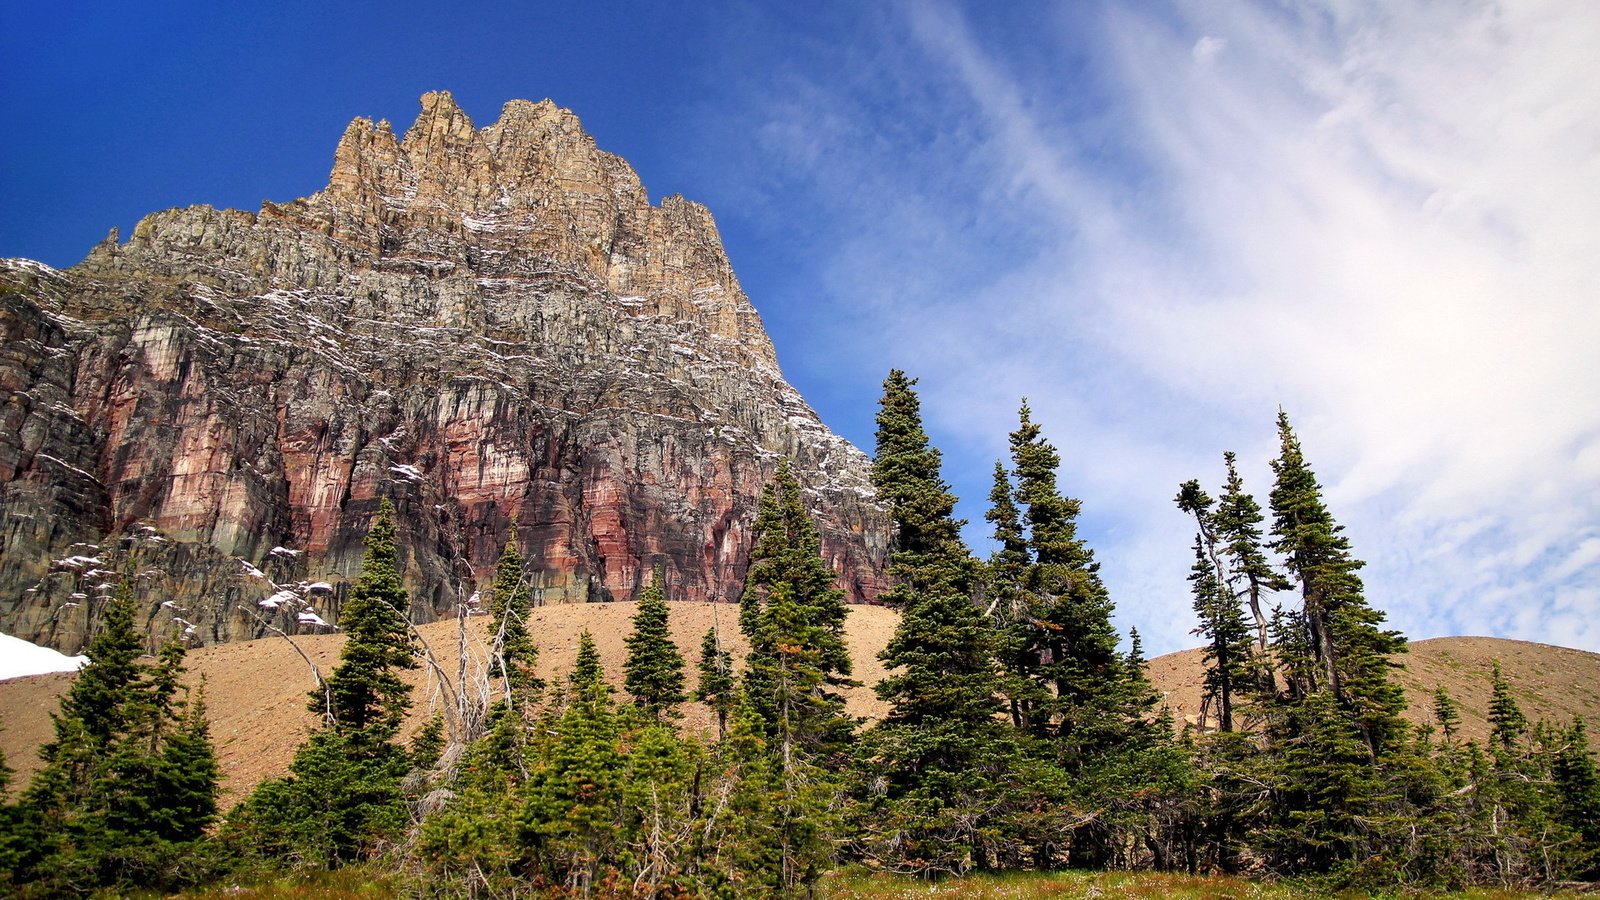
(1207, 49)
(1384, 218)
(1406, 211)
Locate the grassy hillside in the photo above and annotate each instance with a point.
(1550, 682)
(257, 690)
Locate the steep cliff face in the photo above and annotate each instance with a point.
(494, 327)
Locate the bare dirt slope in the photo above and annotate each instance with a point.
(1555, 683)
(256, 691)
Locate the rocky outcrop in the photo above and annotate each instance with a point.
(493, 327)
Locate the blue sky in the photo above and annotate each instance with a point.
(1157, 221)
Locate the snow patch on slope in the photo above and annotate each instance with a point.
(19, 657)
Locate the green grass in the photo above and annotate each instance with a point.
(367, 884)
(1041, 885)
(356, 883)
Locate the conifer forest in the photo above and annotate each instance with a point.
(1022, 732)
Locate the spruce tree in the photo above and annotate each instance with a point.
(661, 784)
(13, 837)
(186, 777)
(775, 831)
(587, 681)
(1070, 620)
(743, 844)
(1011, 607)
(1447, 712)
(795, 618)
(1088, 721)
(428, 744)
(1577, 788)
(99, 700)
(1230, 662)
(653, 671)
(573, 811)
(940, 748)
(1237, 525)
(1507, 724)
(716, 688)
(942, 648)
(1349, 654)
(1324, 790)
(928, 553)
(1228, 653)
(342, 797)
(129, 783)
(510, 600)
(365, 694)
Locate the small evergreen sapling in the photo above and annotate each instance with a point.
(653, 671)
(1446, 712)
(516, 654)
(716, 688)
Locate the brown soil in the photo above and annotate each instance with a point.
(256, 691)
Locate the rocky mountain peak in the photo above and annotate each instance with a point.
(530, 195)
(486, 325)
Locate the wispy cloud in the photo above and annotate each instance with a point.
(1401, 208)
(1386, 220)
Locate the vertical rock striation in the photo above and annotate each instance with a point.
(494, 327)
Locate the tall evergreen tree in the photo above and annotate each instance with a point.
(1071, 631)
(130, 781)
(795, 618)
(1349, 653)
(1237, 526)
(342, 797)
(1010, 606)
(653, 672)
(365, 694)
(940, 748)
(99, 700)
(1084, 711)
(1228, 645)
(1230, 661)
(928, 553)
(510, 600)
(942, 647)
(186, 776)
(1577, 788)
(1325, 790)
